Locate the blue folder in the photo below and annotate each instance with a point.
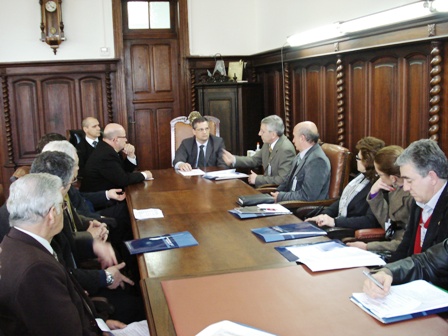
(288, 231)
(160, 243)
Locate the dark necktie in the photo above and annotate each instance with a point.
(201, 158)
(94, 143)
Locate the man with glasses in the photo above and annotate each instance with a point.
(275, 156)
(107, 168)
(201, 150)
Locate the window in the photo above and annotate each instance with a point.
(149, 15)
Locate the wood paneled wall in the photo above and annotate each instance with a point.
(50, 97)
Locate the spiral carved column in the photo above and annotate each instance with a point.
(340, 101)
(110, 110)
(435, 91)
(287, 98)
(193, 91)
(7, 116)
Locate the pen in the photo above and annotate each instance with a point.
(375, 281)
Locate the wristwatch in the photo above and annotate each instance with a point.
(109, 278)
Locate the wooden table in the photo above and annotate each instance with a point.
(227, 246)
(201, 206)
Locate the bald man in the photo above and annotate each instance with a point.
(92, 132)
(106, 168)
(309, 177)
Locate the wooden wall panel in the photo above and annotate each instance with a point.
(26, 118)
(162, 68)
(140, 68)
(92, 99)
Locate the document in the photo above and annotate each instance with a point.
(160, 243)
(228, 328)
(323, 256)
(147, 213)
(139, 328)
(224, 175)
(260, 210)
(288, 231)
(193, 172)
(407, 301)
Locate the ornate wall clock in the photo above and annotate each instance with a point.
(51, 26)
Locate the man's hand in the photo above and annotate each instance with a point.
(372, 290)
(114, 325)
(252, 177)
(105, 253)
(119, 278)
(359, 244)
(98, 230)
(129, 150)
(116, 194)
(275, 195)
(322, 220)
(185, 167)
(148, 174)
(228, 158)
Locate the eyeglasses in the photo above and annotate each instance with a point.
(358, 158)
(202, 129)
(75, 179)
(121, 137)
(64, 205)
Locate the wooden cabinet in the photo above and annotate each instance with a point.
(239, 107)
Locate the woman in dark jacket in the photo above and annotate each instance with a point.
(352, 210)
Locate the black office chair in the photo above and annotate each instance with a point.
(75, 136)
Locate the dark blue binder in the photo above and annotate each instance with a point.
(160, 243)
(288, 232)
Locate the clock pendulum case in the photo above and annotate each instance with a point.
(51, 26)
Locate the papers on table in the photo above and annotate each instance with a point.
(139, 328)
(260, 210)
(147, 213)
(288, 231)
(159, 243)
(322, 256)
(227, 328)
(404, 302)
(224, 175)
(193, 172)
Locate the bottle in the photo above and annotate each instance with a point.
(258, 147)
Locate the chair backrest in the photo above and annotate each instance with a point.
(181, 129)
(75, 136)
(2, 195)
(340, 158)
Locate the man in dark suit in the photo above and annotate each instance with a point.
(38, 295)
(106, 168)
(309, 177)
(201, 150)
(424, 168)
(275, 156)
(87, 144)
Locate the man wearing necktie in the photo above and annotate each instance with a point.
(38, 295)
(275, 156)
(309, 177)
(200, 151)
(87, 144)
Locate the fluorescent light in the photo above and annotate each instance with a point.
(394, 15)
(313, 35)
(405, 13)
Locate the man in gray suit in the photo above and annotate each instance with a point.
(275, 156)
(309, 177)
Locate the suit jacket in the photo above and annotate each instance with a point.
(280, 161)
(313, 177)
(359, 214)
(188, 152)
(106, 169)
(397, 209)
(38, 296)
(84, 150)
(437, 228)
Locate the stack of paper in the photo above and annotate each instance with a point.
(288, 231)
(147, 213)
(227, 328)
(322, 256)
(224, 175)
(260, 210)
(193, 172)
(404, 302)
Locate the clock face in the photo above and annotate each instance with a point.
(50, 6)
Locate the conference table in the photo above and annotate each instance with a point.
(186, 289)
